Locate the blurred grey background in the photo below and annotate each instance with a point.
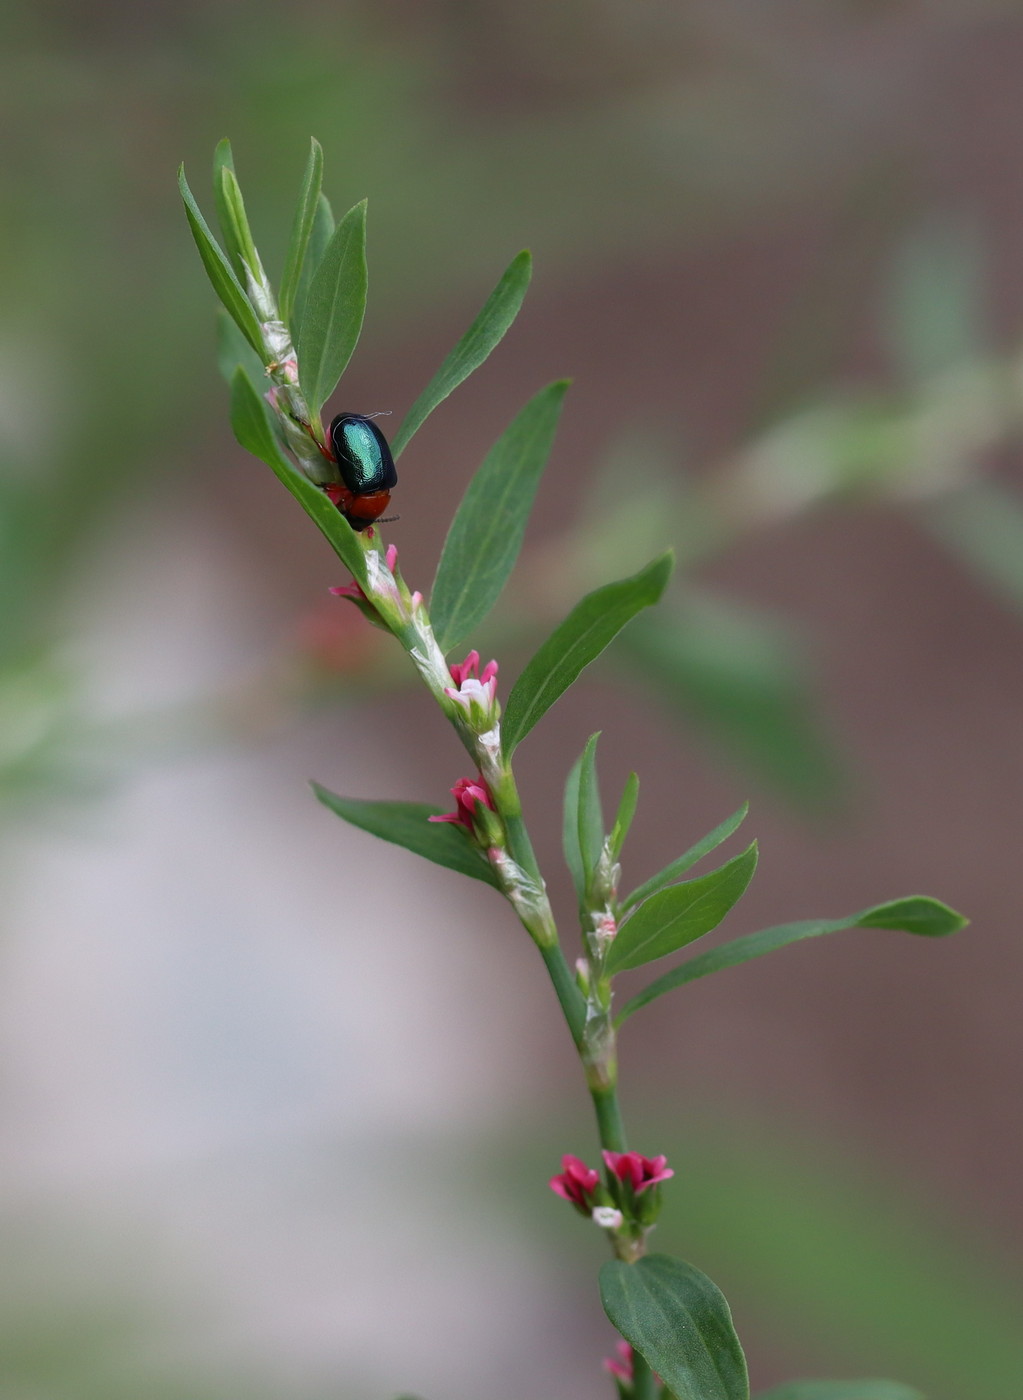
(279, 1104)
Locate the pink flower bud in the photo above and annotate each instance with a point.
(470, 687)
(469, 667)
(637, 1171)
(576, 1182)
(349, 590)
(621, 1366)
(467, 792)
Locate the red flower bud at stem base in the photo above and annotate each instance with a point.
(637, 1171)
(620, 1366)
(467, 792)
(577, 1183)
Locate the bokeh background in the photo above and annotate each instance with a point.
(279, 1103)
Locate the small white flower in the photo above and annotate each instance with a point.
(607, 1217)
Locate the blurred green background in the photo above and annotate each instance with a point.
(279, 1105)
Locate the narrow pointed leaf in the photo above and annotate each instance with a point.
(570, 829)
(223, 158)
(841, 1390)
(486, 533)
(589, 628)
(916, 914)
(678, 867)
(406, 824)
(319, 241)
(590, 815)
(677, 916)
(334, 309)
(250, 419)
(679, 1321)
(234, 223)
(485, 333)
(302, 229)
(624, 815)
(219, 270)
(222, 155)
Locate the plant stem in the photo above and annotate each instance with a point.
(609, 1119)
(570, 998)
(644, 1386)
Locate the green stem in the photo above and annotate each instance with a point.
(609, 1119)
(518, 838)
(569, 995)
(644, 1387)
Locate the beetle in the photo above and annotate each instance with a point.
(368, 474)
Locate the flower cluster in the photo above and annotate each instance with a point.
(635, 1181)
(632, 1192)
(475, 693)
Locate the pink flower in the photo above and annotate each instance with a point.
(354, 591)
(350, 590)
(576, 1182)
(467, 792)
(620, 1367)
(632, 1169)
(472, 688)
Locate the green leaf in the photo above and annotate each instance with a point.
(485, 333)
(679, 1321)
(222, 156)
(624, 815)
(841, 1390)
(234, 222)
(589, 628)
(486, 533)
(333, 311)
(916, 914)
(302, 229)
(590, 816)
(680, 914)
(234, 350)
(219, 270)
(223, 159)
(250, 419)
(319, 241)
(570, 829)
(406, 824)
(678, 867)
